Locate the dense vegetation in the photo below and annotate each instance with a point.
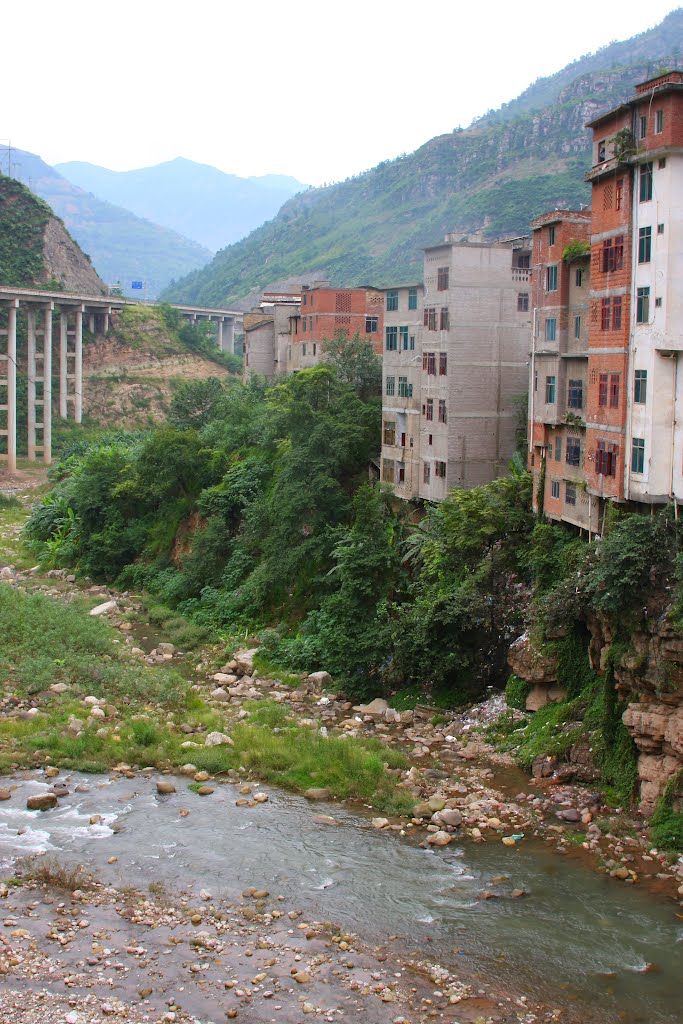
(486, 181)
(23, 218)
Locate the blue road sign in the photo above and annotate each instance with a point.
(136, 284)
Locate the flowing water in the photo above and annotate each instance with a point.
(576, 938)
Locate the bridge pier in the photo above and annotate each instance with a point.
(78, 366)
(8, 381)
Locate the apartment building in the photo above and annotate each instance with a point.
(401, 382)
(467, 372)
(267, 332)
(325, 312)
(558, 364)
(633, 443)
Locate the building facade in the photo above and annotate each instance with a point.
(467, 373)
(632, 450)
(267, 333)
(325, 312)
(558, 364)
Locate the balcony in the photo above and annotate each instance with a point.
(521, 275)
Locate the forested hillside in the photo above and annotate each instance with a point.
(484, 182)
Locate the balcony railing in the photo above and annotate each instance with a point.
(521, 275)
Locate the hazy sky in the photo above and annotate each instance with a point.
(308, 88)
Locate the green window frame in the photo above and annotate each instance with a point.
(403, 338)
(645, 182)
(643, 305)
(640, 387)
(550, 383)
(644, 245)
(412, 298)
(638, 455)
(392, 339)
(392, 300)
(390, 389)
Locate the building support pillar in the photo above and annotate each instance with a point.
(31, 381)
(8, 380)
(219, 333)
(91, 323)
(47, 383)
(78, 366)
(229, 342)
(63, 349)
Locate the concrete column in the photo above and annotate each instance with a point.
(78, 367)
(63, 348)
(106, 315)
(91, 323)
(12, 386)
(31, 374)
(229, 342)
(47, 383)
(219, 334)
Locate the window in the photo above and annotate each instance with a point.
(523, 261)
(638, 455)
(401, 472)
(573, 451)
(371, 323)
(442, 410)
(577, 326)
(640, 387)
(443, 319)
(659, 122)
(388, 470)
(575, 394)
(558, 448)
(304, 298)
(642, 126)
(430, 438)
(390, 389)
(645, 182)
(603, 389)
(412, 342)
(658, 301)
(644, 245)
(442, 279)
(405, 389)
(619, 193)
(523, 302)
(614, 382)
(310, 323)
(661, 163)
(426, 473)
(660, 229)
(612, 254)
(550, 390)
(551, 235)
(606, 455)
(616, 313)
(392, 339)
(578, 278)
(315, 348)
(429, 412)
(550, 329)
(642, 305)
(554, 488)
(303, 349)
(605, 314)
(429, 318)
(412, 298)
(429, 363)
(440, 470)
(392, 300)
(443, 364)
(389, 432)
(535, 380)
(551, 279)
(303, 320)
(570, 494)
(403, 336)
(602, 151)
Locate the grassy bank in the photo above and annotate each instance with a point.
(45, 642)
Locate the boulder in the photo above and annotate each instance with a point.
(217, 739)
(165, 787)
(375, 709)
(104, 609)
(449, 816)
(6, 573)
(41, 802)
(544, 693)
(244, 661)
(166, 649)
(319, 680)
(317, 794)
(440, 839)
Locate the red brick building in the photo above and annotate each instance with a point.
(325, 311)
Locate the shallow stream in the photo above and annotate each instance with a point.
(576, 938)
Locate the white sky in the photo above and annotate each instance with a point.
(313, 89)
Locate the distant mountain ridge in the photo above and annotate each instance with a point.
(199, 201)
(122, 247)
(483, 182)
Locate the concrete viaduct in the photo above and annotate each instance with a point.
(39, 307)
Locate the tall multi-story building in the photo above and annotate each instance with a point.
(267, 333)
(633, 444)
(467, 373)
(558, 364)
(325, 312)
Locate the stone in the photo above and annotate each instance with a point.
(6, 573)
(570, 814)
(301, 977)
(5, 794)
(225, 679)
(440, 839)
(324, 819)
(189, 769)
(261, 798)
(51, 772)
(319, 680)
(317, 794)
(104, 609)
(205, 791)
(201, 776)
(449, 816)
(59, 688)
(165, 787)
(380, 822)
(375, 709)
(41, 802)
(166, 648)
(508, 841)
(244, 661)
(217, 739)
(219, 694)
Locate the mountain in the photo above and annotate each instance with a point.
(483, 182)
(35, 247)
(123, 247)
(194, 199)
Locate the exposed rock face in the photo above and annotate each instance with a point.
(648, 676)
(65, 262)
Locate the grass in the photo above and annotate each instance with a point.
(50, 871)
(9, 501)
(263, 666)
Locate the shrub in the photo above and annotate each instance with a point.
(516, 692)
